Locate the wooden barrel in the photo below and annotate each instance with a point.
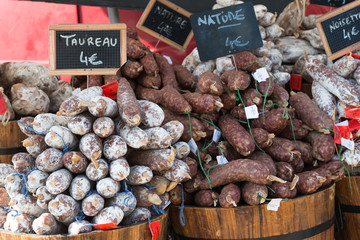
(306, 217)
(350, 208)
(136, 232)
(10, 141)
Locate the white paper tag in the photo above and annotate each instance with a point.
(193, 146)
(261, 74)
(343, 124)
(349, 144)
(274, 204)
(221, 160)
(216, 135)
(251, 112)
(168, 59)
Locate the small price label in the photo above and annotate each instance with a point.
(221, 160)
(354, 125)
(261, 74)
(343, 130)
(3, 106)
(295, 82)
(352, 112)
(349, 144)
(216, 135)
(105, 226)
(155, 230)
(193, 146)
(168, 59)
(110, 89)
(251, 112)
(274, 204)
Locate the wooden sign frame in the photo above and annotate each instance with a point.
(149, 7)
(334, 55)
(87, 27)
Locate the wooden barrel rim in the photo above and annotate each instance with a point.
(30, 236)
(312, 231)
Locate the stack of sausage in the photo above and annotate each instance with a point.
(96, 161)
(31, 90)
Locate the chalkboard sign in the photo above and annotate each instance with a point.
(87, 49)
(226, 31)
(331, 3)
(167, 22)
(340, 30)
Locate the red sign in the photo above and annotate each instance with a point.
(110, 89)
(343, 131)
(105, 226)
(352, 112)
(295, 82)
(3, 106)
(155, 229)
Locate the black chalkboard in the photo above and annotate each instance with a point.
(331, 3)
(167, 22)
(87, 49)
(340, 30)
(226, 31)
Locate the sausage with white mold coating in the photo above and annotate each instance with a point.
(95, 174)
(229, 196)
(112, 214)
(26, 204)
(236, 135)
(82, 226)
(158, 138)
(79, 187)
(43, 122)
(35, 180)
(197, 127)
(125, 200)
(323, 148)
(13, 184)
(119, 169)
(101, 106)
(175, 129)
(140, 214)
(103, 127)
(75, 161)
(35, 145)
(91, 146)
(58, 181)
(46, 224)
(253, 194)
(60, 138)
(49, 160)
(25, 122)
(92, 204)
(43, 197)
(157, 160)
(107, 187)
(114, 147)
(139, 175)
(145, 197)
(179, 172)
(334, 83)
(134, 137)
(129, 108)
(182, 149)
(23, 162)
(21, 223)
(80, 124)
(151, 114)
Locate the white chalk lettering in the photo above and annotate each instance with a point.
(342, 22)
(171, 17)
(225, 19)
(235, 43)
(72, 40)
(92, 60)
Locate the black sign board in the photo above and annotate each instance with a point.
(340, 30)
(87, 49)
(167, 22)
(331, 3)
(226, 31)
